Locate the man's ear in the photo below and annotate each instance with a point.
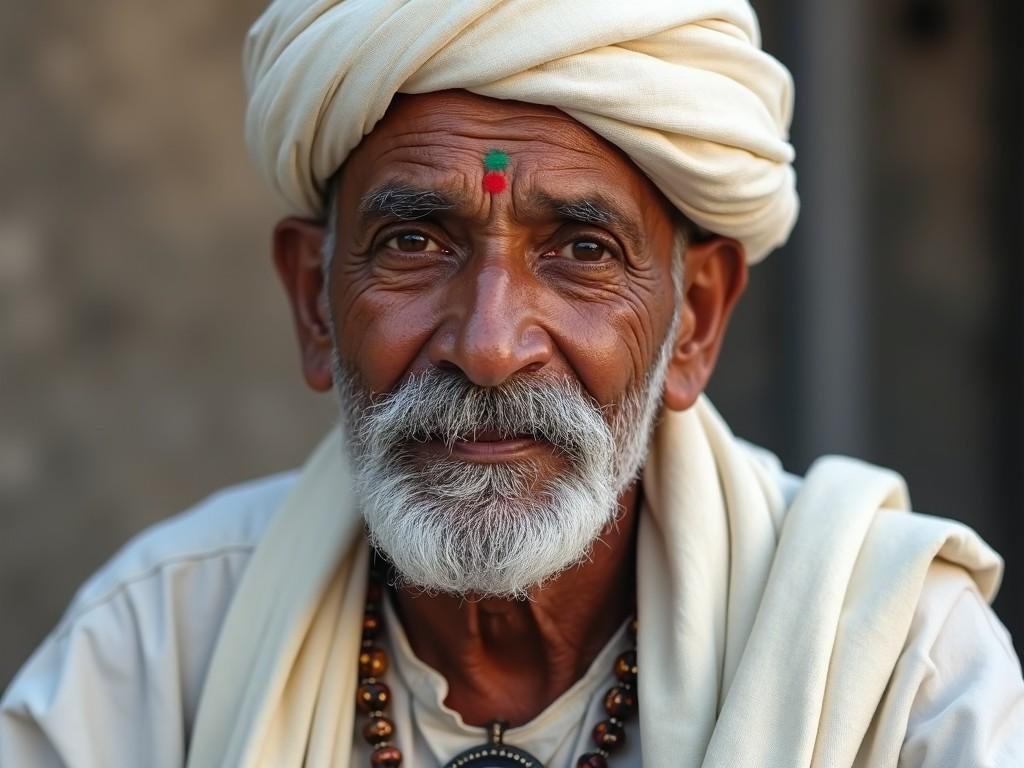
(715, 275)
(298, 258)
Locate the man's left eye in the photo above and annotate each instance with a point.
(585, 250)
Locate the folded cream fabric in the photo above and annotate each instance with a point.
(769, 626)
(681, 86)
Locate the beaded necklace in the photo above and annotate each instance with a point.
(373, 697)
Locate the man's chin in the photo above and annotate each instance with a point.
(476, 584)
(476, 550)
(483, 528)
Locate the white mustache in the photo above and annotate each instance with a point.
(445, 406)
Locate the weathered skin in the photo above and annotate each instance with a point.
(502, 286)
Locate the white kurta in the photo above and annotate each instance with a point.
(118, 681)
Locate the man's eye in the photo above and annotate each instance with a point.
(585, 250)
(413, 242)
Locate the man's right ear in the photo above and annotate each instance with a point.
(298, 258)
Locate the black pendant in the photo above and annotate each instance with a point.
(494, 754)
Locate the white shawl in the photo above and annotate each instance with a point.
(768, 632)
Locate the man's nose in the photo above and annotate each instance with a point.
(493, 331)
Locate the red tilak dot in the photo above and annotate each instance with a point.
(495, 182)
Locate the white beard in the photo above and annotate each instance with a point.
(492, 529)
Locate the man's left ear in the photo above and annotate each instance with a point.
(715, 276)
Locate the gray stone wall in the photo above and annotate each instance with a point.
(146, 354)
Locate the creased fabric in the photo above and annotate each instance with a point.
(769, 628)
(683, 88)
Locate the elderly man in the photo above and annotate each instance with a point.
(521, 229)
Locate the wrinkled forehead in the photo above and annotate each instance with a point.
(450, 140)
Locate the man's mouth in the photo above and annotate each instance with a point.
(492, 436)
(491, 446)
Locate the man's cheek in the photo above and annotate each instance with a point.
(609, 358)
(385, 340)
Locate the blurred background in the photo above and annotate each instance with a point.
(146, 355)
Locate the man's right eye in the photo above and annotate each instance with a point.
(413, 242)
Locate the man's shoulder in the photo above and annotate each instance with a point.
(226, 525)
(134, 646)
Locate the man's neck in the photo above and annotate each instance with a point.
(510, 659)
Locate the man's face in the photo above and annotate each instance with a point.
(500, 342)
(498, 285)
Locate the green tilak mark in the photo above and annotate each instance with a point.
(496, 160)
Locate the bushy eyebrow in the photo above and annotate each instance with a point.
(397, 200)
(595, 210)
(403, 202)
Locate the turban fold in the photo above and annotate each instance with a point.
(681, 86)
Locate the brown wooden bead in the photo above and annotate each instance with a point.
(592, 760)
(373, 697)
(371, 624)
(633, 629)
(378, 730)
(373, 662)
(609, 735)
(620, 702)
(386, 757)
(625, 667)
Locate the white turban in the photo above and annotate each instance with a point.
(681, 86)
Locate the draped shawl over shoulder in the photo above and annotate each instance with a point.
(770, 625)
(681, 86)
